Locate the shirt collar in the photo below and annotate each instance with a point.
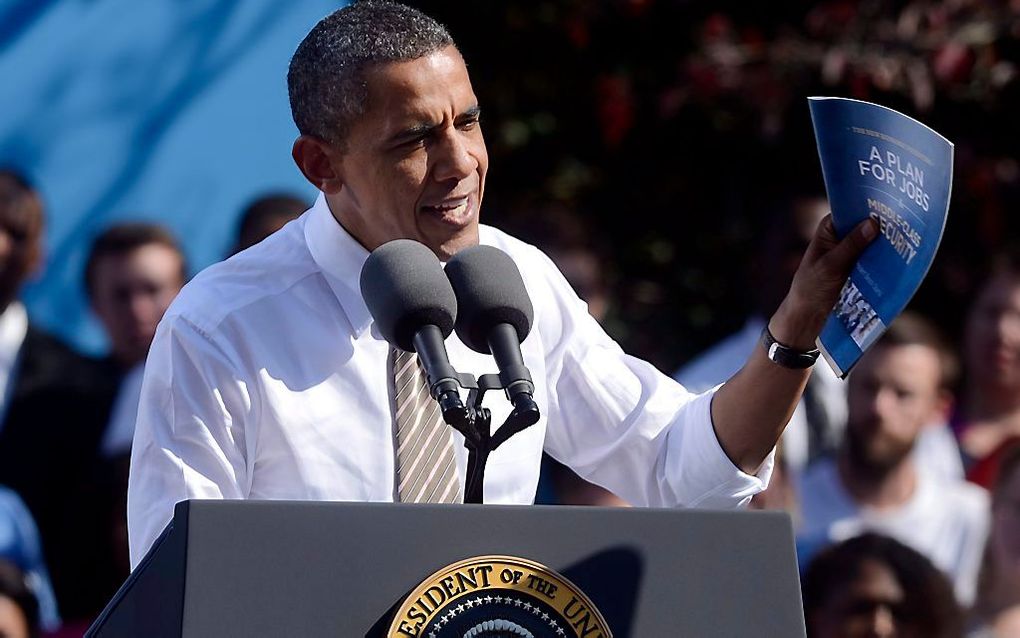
(340, 257)
(13, 328)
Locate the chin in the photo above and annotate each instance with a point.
(451, 247)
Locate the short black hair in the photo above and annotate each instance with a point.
(326, 80)
(266, 209)
(18, 194)
(120, 239)
(929, 602)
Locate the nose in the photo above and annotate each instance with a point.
(1008, 326)
(454, 156)
(142, 307)
(882, 401)
(883, 625)
(6, 245)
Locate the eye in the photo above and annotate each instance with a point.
(416, 141)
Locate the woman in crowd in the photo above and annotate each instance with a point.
(997, 610)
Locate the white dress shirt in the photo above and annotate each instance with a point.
(13, 329)
(120, 431)
(268, 380)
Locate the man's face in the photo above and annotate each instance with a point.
(893, 393)
(992, 337)
(414, 164)
(20, 248)
(130, 293)
(13, 623)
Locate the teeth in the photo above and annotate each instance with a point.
(454, 210)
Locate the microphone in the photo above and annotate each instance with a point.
(494, 314)
(414, 307)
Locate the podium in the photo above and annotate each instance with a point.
(277, 568)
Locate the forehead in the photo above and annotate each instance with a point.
(424, 88)
(1002, 289)
(152, 256)
(876, 582)
(911, 364)
(21, 211)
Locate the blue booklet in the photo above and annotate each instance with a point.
(882, 164)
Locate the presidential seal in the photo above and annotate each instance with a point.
(497, 597)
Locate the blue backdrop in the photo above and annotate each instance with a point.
(164, 110)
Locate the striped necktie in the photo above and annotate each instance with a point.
(426, 468)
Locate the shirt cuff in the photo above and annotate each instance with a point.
(715, 482)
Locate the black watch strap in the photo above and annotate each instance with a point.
(786, 356)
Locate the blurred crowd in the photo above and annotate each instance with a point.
(904, 480)
(675, 185)
(67, 420)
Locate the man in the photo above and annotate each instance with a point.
(132, 273)
(267, 378)
(876, 482)
(52, 406)
(265, 216)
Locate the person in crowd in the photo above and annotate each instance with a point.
(132, 273)
(267, 378)
(875, 482)
(873, 586)
(816, 427)
(19, 609)
(988, 421)
(52, 403)
(20, 545)
(997, 609)
(265, 216)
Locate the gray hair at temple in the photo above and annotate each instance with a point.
(326, 80)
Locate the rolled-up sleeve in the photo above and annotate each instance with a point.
(190, 439)
(620, 423)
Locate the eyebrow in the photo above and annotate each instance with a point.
(423, 129)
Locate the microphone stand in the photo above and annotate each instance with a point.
(473, 421)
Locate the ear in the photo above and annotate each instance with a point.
(35, 260)
(944, 405)
(319, 162)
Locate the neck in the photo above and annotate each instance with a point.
(879, 488)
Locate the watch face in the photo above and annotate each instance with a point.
(786, 357)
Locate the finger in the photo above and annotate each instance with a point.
(849, 249)
(823, 241)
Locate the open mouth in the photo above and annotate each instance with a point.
(452, 211)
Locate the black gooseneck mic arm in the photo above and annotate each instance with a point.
(443, 380)
(414, 306)
(494, 316)
(474, 421)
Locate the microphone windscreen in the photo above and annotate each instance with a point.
(404, 288)
(490, 291)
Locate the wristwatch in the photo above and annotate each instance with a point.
(786, 356)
